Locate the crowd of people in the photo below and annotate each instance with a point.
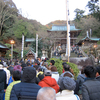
(36, 80)
(76, 50)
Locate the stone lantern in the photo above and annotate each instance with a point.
(44, 53)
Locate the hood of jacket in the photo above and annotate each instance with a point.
(49, 81)
(82, 76)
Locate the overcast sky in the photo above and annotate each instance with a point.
(45, 11)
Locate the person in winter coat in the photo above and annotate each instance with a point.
(91, 86)
(67, 86)
(67, 70)
(16, 79)
(7, 72)
(2, 81)
(52, 62)
(48, 81)
(80, 80)
(16, 67)
(55, 73)
(27, 89)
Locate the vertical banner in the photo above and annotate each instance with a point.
(90, 33)
(22, 45)
(87, 34)
(36, 45)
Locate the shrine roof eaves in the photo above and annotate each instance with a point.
(3, 46)
(92, 38)
(30, 39)
(63, 28)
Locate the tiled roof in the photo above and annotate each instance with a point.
(94, 39)
(63, 28)
(31, 50)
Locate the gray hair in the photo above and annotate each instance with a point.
(46, 93)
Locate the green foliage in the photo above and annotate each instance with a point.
(98, 42)
(75, 69)
(20, 27)
(8, 54)
(58, 64)
(7, 12)
(18, 51)
(94, 8)
(96, 32)
(8, 45)
(79, 13)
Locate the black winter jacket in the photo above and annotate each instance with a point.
(91, 90)
(24, 91)
(2, 79)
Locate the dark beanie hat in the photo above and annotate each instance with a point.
(29, 75)
(67, 83)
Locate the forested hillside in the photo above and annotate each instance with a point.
(13, 24)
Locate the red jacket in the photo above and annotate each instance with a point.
(48, 81)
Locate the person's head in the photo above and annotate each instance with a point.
(17, 67)
(36, 62)
(54, 69)
(97, 71)
(41, 76)
(28, 64)
(36, 67)
(16, 75)
(64, 63)
(90, 71)
(46, 93)
(47, 73)
(23, 65)
(52, 62)
(29, 75)
(67, 83)
(39, 59)
(66, 67)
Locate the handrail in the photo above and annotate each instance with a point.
(84, 54)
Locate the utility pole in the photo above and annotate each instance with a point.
(68, 32)
(90, 32)
(36, 45)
